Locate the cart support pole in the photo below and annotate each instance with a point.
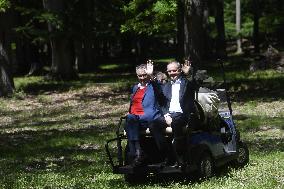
(226, 86)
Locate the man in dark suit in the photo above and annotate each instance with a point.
(177, 107)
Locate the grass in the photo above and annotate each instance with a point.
(53, 133)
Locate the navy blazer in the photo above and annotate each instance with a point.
(149, 102)
(186, 96)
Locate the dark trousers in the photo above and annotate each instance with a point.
(179, 121)
(134, 124)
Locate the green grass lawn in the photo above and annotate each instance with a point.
(53, 133)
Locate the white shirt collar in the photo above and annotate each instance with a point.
(140, 86)
(178, 81)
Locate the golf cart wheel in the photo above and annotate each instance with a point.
(242, 156)
(205, 166)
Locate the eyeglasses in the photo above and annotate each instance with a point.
(169, 71)
(141, 75)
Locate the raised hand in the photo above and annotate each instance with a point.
(150, 67)
(186, 67)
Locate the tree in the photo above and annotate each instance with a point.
(195, 30)
(31, 36)
(182, 31)
(62, 47)
(256, 15)
(90, 28)
(6, 78)
(238, 26)
(189, 18)
(149, 20)
(220, 26)
(82, 27)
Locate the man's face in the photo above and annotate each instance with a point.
(162, 78)
(173, 71)
(142, 76)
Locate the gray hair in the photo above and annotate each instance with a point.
(176, 63)
(141, 67)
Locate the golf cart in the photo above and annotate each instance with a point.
(212, 141)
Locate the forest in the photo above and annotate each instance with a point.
(61, 39)
(67, 67)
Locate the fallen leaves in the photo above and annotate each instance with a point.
(73, 109)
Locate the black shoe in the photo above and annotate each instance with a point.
(168, 162)
(180, 161)
(139, 161)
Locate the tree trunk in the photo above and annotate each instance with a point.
(36, 65)
(63, 59)
(190, 30)
(207, 45)
(22, 63)
(181, 47)
(89, 54)
(126, 45)
(256, 14)
(6, 80)
(79, 55)
(195, 31)
(84, 55)
(62, 47)
(238, 26)
(141, 49)
(220, 26)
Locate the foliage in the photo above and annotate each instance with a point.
(150, 17)
(230, 23)
(36, 18)
(158, 18)
(90, 24)
(271, 23)
(4, 5)
(271, 17)
(35, 27)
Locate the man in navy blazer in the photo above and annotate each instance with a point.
(178, 104)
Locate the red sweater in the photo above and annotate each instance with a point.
(136, 106)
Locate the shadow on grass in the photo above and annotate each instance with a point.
(259, 89)
(55, 150)
(41, 87)
(241, 117)
(106, 96)
(258, 123)
(35, 118)
(160, 180)
(40, 124)
(269, 145)
(166, 180)
(246, 85)
(60, 114)
(236, 66)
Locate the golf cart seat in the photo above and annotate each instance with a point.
(168, 131)
(147, 132)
